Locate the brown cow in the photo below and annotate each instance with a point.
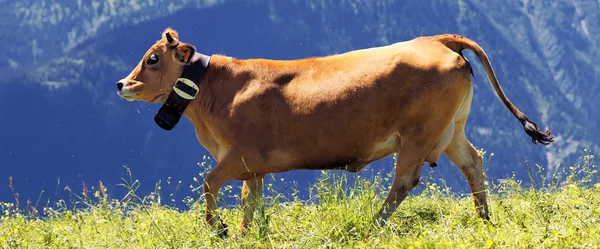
(342, 111)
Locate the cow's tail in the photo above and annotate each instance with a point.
(457, 43)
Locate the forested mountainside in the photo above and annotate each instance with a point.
(66, 121)
(45, 29)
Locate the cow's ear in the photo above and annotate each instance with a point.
(184, 53)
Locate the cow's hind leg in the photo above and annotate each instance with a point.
(470, 162)
(408, 170)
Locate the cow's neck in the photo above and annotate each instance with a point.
(216, 90)
(209, 111)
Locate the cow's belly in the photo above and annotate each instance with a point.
(352, 160)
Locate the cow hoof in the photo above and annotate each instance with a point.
(433, 165)
(380, 222)
(223, 230)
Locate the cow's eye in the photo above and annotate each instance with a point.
(152, 59)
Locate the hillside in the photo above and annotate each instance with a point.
(46, 29)
(334, 217)
(72, 125)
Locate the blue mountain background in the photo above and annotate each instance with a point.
(62, 123)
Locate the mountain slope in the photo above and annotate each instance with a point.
(45, 29)
(546, 63)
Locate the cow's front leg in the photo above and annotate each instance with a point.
(228, 168)
(212, 184)
(250, 196)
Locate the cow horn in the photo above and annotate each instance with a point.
(171, 40)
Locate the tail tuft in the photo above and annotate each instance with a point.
(537, 136)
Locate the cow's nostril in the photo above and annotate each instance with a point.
(119, 86)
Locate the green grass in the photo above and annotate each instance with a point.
(564, 214)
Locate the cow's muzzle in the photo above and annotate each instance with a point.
(125, 92)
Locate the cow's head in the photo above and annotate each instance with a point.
(153, 78)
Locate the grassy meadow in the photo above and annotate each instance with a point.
(561, 212)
